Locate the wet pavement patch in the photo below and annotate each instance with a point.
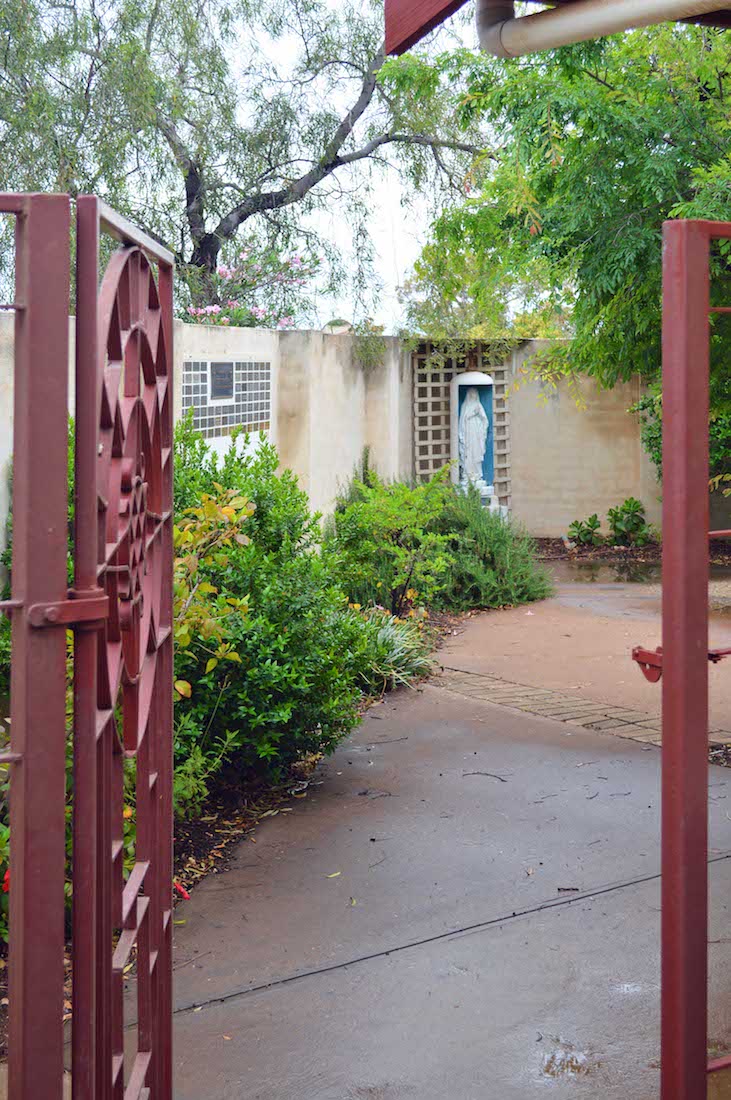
(566, 1061)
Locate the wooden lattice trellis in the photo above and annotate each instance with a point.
(432, 413)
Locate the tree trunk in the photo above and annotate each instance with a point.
(204, 260)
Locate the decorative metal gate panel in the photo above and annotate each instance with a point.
(120, 610)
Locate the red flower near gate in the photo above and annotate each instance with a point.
(6, 882)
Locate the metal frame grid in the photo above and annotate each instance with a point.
(251, 407)
(432, 424)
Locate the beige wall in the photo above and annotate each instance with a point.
(568, 462)
(329, 409)
(7, 345)
(205, 342)
(325, 407)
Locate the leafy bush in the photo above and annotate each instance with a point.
(294, 658)
(398, 544)
(281, 523)
(649, 409)
(586, 532)
(628, 524)
(383, 544)
(494, 562)
(271, 663)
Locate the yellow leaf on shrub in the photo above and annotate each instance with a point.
(211, 664)
(183, 688)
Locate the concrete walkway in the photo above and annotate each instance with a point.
(579, 644)
(465, 908)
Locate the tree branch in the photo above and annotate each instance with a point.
(207, 244)
(192, 175)
(330, 160)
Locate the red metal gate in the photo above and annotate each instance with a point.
(120, 610)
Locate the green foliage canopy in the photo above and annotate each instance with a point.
(592, 148)
(210, 119)
(559, 231)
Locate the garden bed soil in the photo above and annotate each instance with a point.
(556, 550)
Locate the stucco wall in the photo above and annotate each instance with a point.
(329, 409)
(569, 461)
(565, 462)
(325, 407)
(207, 342)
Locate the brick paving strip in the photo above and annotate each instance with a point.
(620, 721)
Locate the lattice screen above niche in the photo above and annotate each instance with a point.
(225, 395)
(432, 432)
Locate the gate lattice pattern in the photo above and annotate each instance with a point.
(131, 535)
(120, 609)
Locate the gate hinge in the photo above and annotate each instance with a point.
(86, 607)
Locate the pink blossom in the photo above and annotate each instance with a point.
(285, 322)
(233, 303)
(212, 309)
(259, 312)
(225, 321)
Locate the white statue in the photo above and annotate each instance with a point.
(473, 431)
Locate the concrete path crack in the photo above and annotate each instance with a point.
(479, 926)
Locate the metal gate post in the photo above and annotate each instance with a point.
(38, 675)
(685, 660)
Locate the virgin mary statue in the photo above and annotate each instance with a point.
(473, 431)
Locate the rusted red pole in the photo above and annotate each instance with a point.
(685, 660)
(38, 676)
(86, 742)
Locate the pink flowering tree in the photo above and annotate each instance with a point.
(256, 290)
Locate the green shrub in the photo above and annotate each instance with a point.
(494, 561)
(383, 546)
(281, 524)
(271, 663)
(397, 545)
(628, 524)
(650, 411)
(587, 531)
(298, 658)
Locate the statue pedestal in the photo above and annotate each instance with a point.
(487, 496)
